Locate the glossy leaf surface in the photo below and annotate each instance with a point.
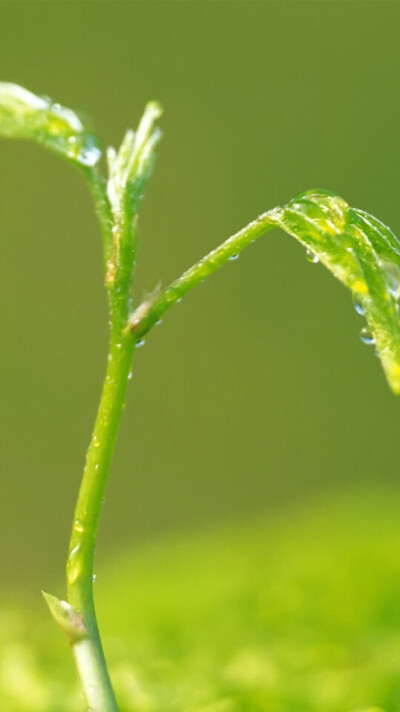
(363, 254)
(27, 116)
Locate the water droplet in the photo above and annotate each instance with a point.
(392, 278)
(178, 301)
(59, 127)
(140, 343)
(366, 336)
(90, 152)
(312, 257)
(94, 577)
(158, 322)
(74, 564)
(79, 526)
(130, 375)
(358, 306)
(81, 147)
(233, 257)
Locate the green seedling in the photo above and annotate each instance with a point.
(357, 248)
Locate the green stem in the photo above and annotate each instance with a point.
(116, 205)
(117, 199)
(87, 648)
(151, 311)
(88, 651)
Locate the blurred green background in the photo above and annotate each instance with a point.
(256, 392)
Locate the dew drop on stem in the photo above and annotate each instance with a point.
(74, 564)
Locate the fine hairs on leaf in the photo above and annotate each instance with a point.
(357, 248)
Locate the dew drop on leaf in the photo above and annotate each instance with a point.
(358, 306)
(84, 149)
(363, 254)
(392, 278)
(25, 115)
(312, 257)
(366, 336)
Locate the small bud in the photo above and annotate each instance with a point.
(66, 617)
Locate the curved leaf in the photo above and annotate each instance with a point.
(362, 253)
(25, 115)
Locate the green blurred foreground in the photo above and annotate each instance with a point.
(299, 614)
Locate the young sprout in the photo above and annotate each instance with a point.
(357, 248)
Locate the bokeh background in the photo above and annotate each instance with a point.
(256, 391)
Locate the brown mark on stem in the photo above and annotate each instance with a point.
(143, 309)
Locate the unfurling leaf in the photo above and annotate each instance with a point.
(25, 115)
(362, 253)
(130, 167)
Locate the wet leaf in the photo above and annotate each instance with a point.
(363, 254)
(27, 116)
